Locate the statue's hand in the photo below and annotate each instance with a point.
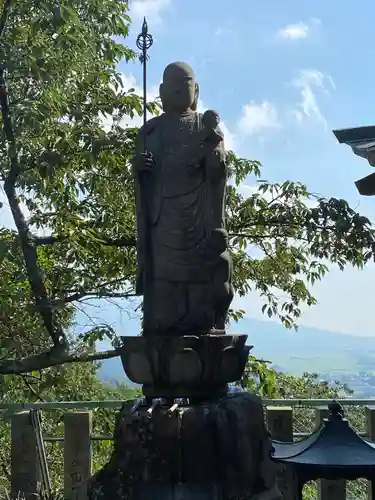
(216, 155)
(145, 162)
(215, 165)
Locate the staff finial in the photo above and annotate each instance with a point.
(144, 42)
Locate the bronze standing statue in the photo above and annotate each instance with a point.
(190, 436)
(184, 267)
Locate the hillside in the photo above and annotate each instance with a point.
(308, 349)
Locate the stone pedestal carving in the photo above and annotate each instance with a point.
(214, 450)
(189, 437)
(189, 366)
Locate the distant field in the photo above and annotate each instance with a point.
(324, 364)
(309, 349)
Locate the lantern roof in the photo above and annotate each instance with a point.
(335, 450)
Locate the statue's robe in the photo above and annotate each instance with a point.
(182, 201)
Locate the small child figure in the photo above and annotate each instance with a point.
(209, 137)
(211, 132)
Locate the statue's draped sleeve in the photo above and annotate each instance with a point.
(216, 170)
(215, 161)
(151, 200)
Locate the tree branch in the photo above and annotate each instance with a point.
(250, 236)
(31, 388)
(4, 17)
(34, 273)
(100, 294)
(118, 242)
(49, 359)
(49, 240)
(101, 291)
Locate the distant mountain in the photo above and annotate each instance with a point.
(308, 349)
(112, 371)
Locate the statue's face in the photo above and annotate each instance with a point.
(178, 89)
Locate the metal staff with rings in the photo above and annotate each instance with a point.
(144, 42)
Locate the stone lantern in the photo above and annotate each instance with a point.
(334, 451)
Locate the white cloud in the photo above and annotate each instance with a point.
(258, 117)
(309, 83)
(294, 31)
(151, 9)
(298, 31)
(229, 137)
(129, 82)
(247, 190)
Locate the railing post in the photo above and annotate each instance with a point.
(77, 454)
(370, 428)
(25, 472)
(328, 490)
(280, 425)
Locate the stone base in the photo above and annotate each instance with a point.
(187, 366)
(215, 450)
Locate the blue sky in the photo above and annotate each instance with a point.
(282, 75)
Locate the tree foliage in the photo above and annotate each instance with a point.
(66, 178)
(260, 377)
(296, 235)
(63, 383)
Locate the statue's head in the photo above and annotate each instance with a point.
(179, 91)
